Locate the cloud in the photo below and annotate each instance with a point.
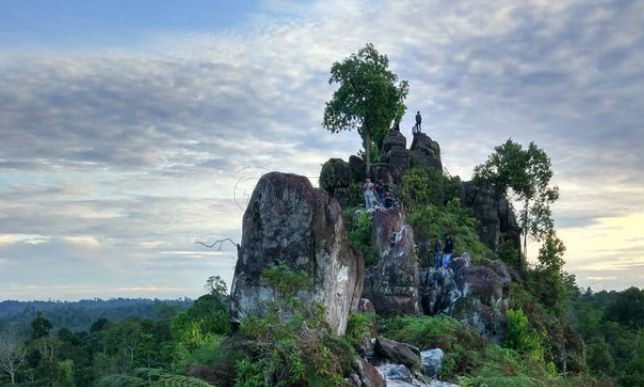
(138, 153)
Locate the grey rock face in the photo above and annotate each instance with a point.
(288, 220)
(494, 213)
(394, 150)
(474, 295)
(426, 151)
(431, 361)
(392, 285)
(397, 375)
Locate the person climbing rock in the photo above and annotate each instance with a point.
(419, 119)
(437, 253)
(449, 249)
(369, 194)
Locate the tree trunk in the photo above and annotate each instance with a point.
(524, 256)
(13, 377)
(368, 150)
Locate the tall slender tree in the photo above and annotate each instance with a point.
(369, 98)
(526, 175)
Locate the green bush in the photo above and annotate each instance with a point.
(521, 337)
(434, 221)
(360, 238)
(359, 328)
(291, 345)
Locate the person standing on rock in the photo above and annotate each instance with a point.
(419, 119)
(369, 195)
(437, 253)
(449, 249)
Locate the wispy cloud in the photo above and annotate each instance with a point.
(133, 154)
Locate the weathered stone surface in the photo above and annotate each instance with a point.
(365, 306)
(397, 352)
(392, 285)
(426, 151)
(431, 361)
(394, 150)
(369, 375)
(336, 178)
(386, 173)
(288, 220)
(397, 375)
(494, 213)
(474, 295)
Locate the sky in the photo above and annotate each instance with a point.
(128, 130)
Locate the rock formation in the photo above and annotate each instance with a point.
(392, 285)
(288, 220)
(336, 178)
(394, 150)
(426, 152)
(494, 213)
(476, 295)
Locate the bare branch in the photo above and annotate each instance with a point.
(218, 243)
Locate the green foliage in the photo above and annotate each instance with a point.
(608, 322)
(434, 221)
(369, 97)
(150, 377)
(215, 286)
(422, 186)
(526, 173)
(360, 238)
(360, 328)
(291, 344)
(521, 337)
(462, 345)
(40, 327)
(286, 282)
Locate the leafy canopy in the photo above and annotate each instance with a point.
(369, 97)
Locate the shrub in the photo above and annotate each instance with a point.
(360, 238)
(520, 337)
(434, 221)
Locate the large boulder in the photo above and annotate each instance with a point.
(358, 168)
(396, 352)
(288, 220)
(425, 151)
(476, 295)
(392, 285)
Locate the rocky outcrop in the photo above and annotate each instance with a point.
(476, 295)
(336, 178)
(289, 221)
(494, 213)
(394, 150)
(426, 152)
(392, 285)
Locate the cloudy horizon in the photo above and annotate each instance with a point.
(128, 131)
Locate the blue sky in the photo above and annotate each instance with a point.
(130, 129)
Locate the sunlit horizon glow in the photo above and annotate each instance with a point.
(125, 139)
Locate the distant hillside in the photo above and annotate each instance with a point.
(79, 315)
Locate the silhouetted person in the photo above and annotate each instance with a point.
(449, 249)
(437, 253)
(419, 119)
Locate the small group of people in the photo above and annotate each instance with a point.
(443, 254)
(377, 195)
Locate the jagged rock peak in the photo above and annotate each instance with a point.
(289, 220)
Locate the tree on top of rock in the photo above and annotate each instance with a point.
(526, 174)
(369, 98)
